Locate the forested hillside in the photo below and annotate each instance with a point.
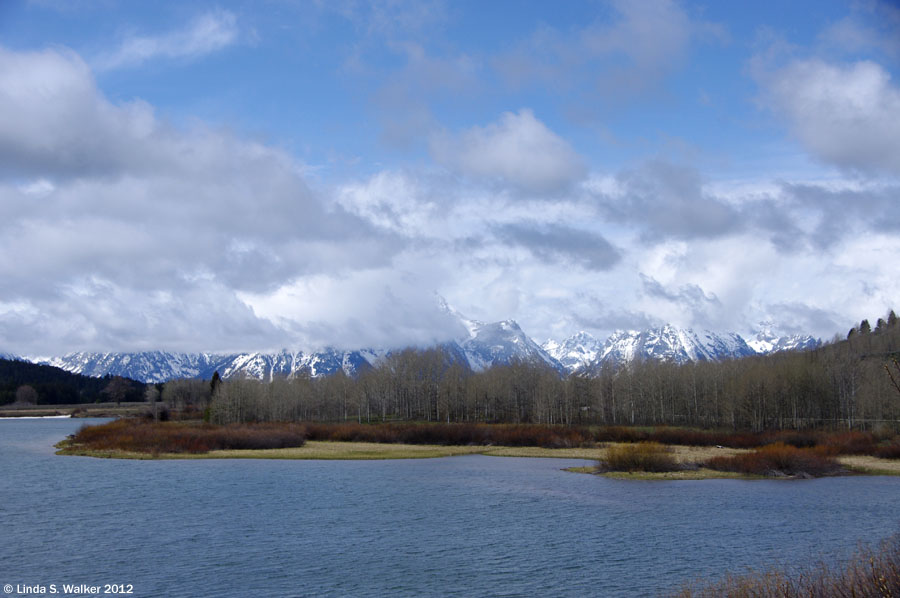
(845, 384)
(46, 385)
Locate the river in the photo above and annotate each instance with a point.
(462, 526)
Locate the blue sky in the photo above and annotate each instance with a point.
(256, 175)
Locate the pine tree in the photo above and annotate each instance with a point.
(892, 319)
(865, 327)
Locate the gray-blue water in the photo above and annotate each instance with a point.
(462, 526)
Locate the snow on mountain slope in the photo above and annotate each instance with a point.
(147, 366)
(576, 352)
(501, 343)
(159, 366)
(671, 344)
(768, 341)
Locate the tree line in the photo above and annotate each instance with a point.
(851, 382)
(842, 384)
(30, 383)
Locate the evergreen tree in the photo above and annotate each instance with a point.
(865, 327)
(214, 383)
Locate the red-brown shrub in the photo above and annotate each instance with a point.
(452, 434)
(778, 459)
(173, 437)
(889, 451)
(850, 443)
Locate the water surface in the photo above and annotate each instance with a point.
(460, 526)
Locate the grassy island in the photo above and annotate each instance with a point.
(623, 453)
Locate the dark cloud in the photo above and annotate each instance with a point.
(775, 219)
(668, 201)
(690, 298)
(834, 213)
(558, 243)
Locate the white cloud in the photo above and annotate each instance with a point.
(392, 201)
(386, 307)
(127, 231)
(208, 33)
(518, 150)
(846, 115)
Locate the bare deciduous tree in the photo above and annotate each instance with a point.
(26, 395)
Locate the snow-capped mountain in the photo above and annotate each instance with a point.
(481, 346)
(501, 343)
(576, 352)
(486, 345)
(671, 344)
(146, 366)
(767, 341)
(160, 366)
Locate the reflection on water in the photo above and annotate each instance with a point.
(461, 526)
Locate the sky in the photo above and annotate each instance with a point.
(256, 175)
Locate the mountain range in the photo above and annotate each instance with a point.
(487, 345)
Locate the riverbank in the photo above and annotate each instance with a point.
(85, 410)
(142, 439)
(355, 451)
(330, 450)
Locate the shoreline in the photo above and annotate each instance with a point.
(362, 451)
(75, 410)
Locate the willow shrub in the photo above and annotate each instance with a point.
(779, 459)
(650, 457)
(141, 436)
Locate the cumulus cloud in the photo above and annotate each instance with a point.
(518, 150)
(55, 121)
(110, 214)
(844, 114)
(207, 33)
(557, 243)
